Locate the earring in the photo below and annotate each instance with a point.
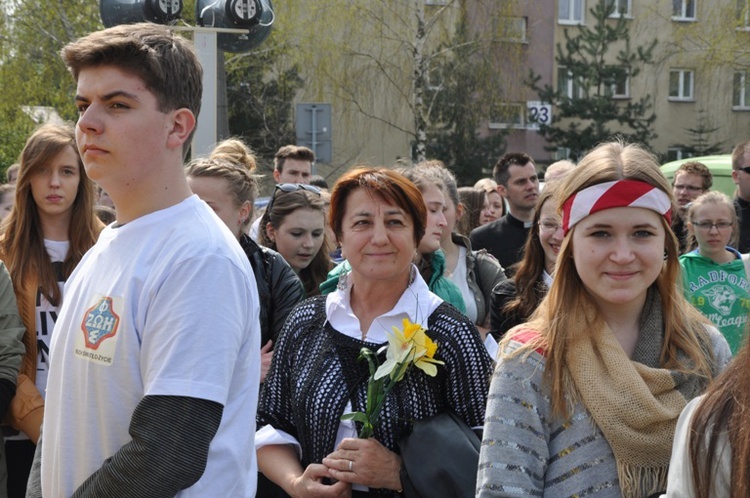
(666, 254)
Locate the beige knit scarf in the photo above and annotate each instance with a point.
(634, 402)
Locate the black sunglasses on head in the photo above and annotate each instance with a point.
(291, 187)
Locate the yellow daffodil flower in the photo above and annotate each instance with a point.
(406, 346)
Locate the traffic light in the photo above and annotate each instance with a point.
(255, 16)
(116, 12)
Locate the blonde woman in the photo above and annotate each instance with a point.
(585, 397)
(714, 279)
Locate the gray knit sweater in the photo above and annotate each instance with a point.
(527, 452)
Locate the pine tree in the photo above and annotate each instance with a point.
(701, 138)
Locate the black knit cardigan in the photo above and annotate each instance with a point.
(315, 373)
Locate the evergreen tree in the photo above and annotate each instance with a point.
(465, 90)
(260, 98)
(596, 63)
(701, 138)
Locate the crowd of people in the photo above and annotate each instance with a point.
(159, 337)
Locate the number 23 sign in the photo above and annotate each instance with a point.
(538, 113)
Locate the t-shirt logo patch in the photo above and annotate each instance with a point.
(722, 298)
(99, 327)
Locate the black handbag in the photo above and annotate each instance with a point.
(440, 458)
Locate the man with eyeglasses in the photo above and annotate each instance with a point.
(741, 178)
(690, 180)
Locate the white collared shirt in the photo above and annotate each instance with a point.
(416, 303)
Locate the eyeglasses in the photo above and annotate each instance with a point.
(689, 188)
(291, 187)
(746, 169)
(549, 226)
(708, 225)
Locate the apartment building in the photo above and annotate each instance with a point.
(699, 79)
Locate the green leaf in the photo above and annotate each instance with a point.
(356, 416)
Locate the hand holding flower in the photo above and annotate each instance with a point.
(407, 346)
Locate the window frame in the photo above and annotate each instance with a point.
(743, 10)
(520, 124)
(508, 21)
(681, 96)
(683, 15)
(628, 14)
(612, 90)
(679, 154)
(744, 90)
(571, 20)
(570, 84)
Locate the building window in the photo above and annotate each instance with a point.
(620, 89)
(504, 116)
(562, 153)
(683, 10)
(681, 84)
(743, 14)
(741, 91)
(567, 85)
(512, 29)
(675, 154)
(619, 8)
(571, 12)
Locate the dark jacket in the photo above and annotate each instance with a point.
(483, 273)
(502, 321)
(279, 288)
(504, 238)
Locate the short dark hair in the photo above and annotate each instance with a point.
(393, 187)
(318, 181)
(292, 152)
(696, 168)
(501, 174)
(165, 62)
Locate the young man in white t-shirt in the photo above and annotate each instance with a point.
(154, 362)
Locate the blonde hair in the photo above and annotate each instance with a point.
(234, 162)
(236, 151)
(569, 305)
(717, 198)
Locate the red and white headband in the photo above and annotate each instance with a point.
(621, 193)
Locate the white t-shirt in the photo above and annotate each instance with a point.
(164, 305)
(46, 313)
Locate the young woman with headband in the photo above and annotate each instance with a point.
(586, 395)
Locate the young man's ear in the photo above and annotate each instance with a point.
(276, 175)
(183, 124)
(502, 190)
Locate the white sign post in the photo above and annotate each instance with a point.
(538, 112)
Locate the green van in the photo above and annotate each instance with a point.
(720, 167)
